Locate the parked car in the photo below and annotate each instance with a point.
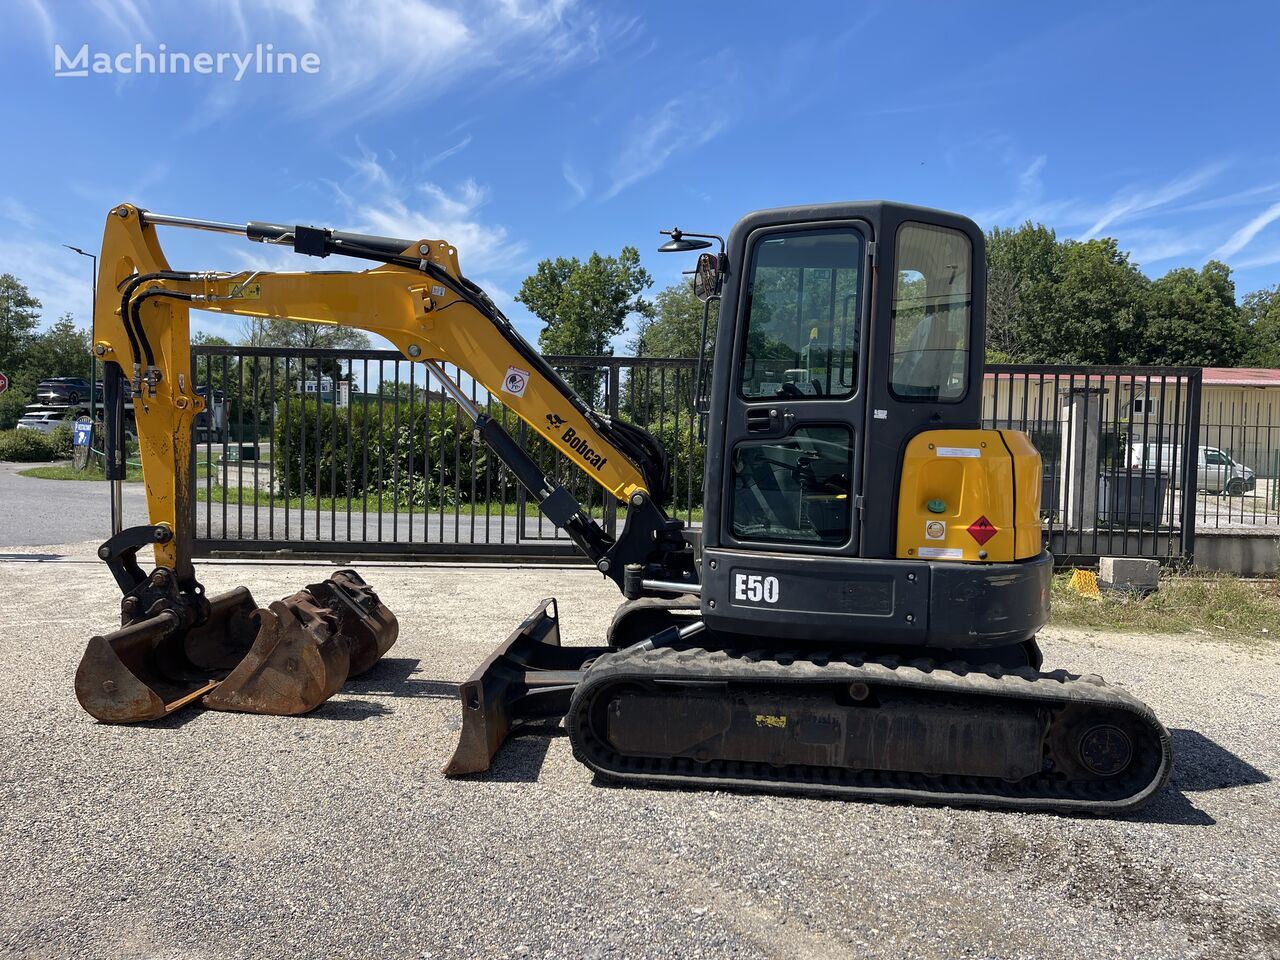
(211, 422)
(67, 390)
(42, 421)
(1216, 472)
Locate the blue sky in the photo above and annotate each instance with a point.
(520, 130)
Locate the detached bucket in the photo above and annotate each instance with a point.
(150, 668)
(287, 659)
(307, 646)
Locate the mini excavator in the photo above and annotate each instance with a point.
(857, 619)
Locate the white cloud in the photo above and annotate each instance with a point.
(445, 154)
(124, 17)
(44, 20)
(56, 277)
(1148, 246)
(1133, 201)
(15, 211)
(1244, 236)
(1028, 189)
(575, 181)
(412, 50)
(682, 123)
(374, 202)
(1264, 259)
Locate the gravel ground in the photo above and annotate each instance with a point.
(220, 835)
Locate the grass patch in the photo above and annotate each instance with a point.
(1220, 606)
(65, 471)
(386, 503)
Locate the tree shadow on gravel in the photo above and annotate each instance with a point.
(393, 677)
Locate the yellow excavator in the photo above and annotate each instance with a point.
(858, 618)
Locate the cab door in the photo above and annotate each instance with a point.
(792, 437)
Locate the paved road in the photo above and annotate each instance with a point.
(34, 512)
(213, 836)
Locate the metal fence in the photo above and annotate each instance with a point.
(356, 453)
(1119, 453)
(308, 451)
(1238, 459)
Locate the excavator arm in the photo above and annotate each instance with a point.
(418, 299)
(175, 645)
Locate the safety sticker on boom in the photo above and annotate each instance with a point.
(515, 382)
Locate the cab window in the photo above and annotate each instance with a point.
(932, 301)
(803, 304)
(794, 488)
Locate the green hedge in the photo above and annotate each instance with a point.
(397, 451)
(27, 446)
(435, 438)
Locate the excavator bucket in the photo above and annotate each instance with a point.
(286, 659)
(307, 646)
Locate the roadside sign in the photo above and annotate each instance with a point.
(4, 383)
(81, 443)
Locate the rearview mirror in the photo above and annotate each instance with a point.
(706, 278)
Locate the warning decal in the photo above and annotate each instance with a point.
(982, 530)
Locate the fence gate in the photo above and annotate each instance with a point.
(357, 453)
(1120, 454)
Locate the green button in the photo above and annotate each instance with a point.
(937, 506)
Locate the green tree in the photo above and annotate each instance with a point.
(1260, 313)
(1193, 320)
(1097, 308)
(674, 331)
(19, 314)
(585, 305)
(1023, 267)
(675, 328)
(60, 351)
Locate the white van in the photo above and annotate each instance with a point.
(1216, 472)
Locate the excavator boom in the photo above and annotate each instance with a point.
(175, 646)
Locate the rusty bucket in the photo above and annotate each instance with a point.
(307, 646)
(286, 659)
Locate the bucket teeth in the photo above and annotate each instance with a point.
(285, 659)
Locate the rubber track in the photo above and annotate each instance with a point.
(1044, 792)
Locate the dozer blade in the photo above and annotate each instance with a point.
(287, 659)
(528, 677)
(307, 646)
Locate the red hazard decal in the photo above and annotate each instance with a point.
(982, 530)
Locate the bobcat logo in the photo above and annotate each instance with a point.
(554, 421)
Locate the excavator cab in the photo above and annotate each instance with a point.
(853, 498)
